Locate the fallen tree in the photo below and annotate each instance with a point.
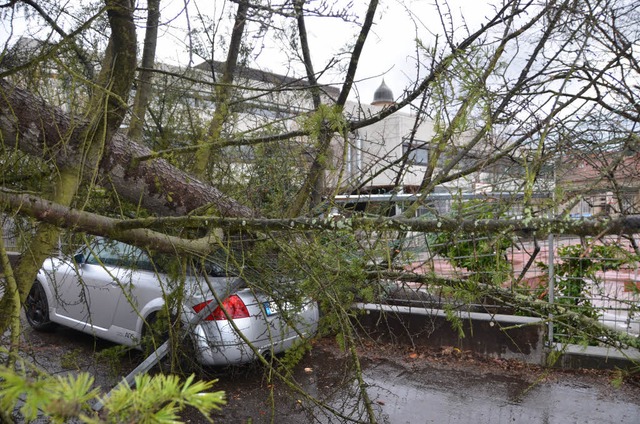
(31, 125)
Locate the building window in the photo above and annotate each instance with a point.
(416, 151)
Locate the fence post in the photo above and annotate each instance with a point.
(551, 288)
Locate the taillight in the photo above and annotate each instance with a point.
(234, 306)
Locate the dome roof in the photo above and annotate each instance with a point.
(383, 96)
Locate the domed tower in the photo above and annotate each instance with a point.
(383, 96)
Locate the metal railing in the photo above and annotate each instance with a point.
(609, 291)
(10, 234)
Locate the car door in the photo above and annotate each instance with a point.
(141, 296)
(90, 298)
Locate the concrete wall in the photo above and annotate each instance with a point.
(495, 335)
(596, 357)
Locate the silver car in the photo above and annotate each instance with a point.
(115, 291)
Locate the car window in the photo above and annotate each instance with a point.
(115, 253)
(209, 266)
(214, 269)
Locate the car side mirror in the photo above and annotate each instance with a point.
(78, 258)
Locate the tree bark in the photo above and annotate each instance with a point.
(223, 92)
(141, 231)
(105, 113)
(36, 128)
(144, 87)
(539, 227)
(57, 215)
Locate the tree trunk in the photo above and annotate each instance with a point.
(105, 113)
(223, 92)
(34, 127)
(144, 87)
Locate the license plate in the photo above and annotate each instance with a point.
(270, 308)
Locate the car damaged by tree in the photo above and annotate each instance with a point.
(123, 294)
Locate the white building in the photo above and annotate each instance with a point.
(388, 155)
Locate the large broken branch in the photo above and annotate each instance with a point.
(629, 224)
(65, 217)
(50, 212)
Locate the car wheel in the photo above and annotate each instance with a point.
(154, 333)
(36, 308)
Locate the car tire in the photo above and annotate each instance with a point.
(36, 308)
(152, 334)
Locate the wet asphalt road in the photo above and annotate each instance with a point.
(404, 386)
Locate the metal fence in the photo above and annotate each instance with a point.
(605, 292)
(10, 234)
(562, 270)
(611, 290)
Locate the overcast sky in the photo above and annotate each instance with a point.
(389, 52)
